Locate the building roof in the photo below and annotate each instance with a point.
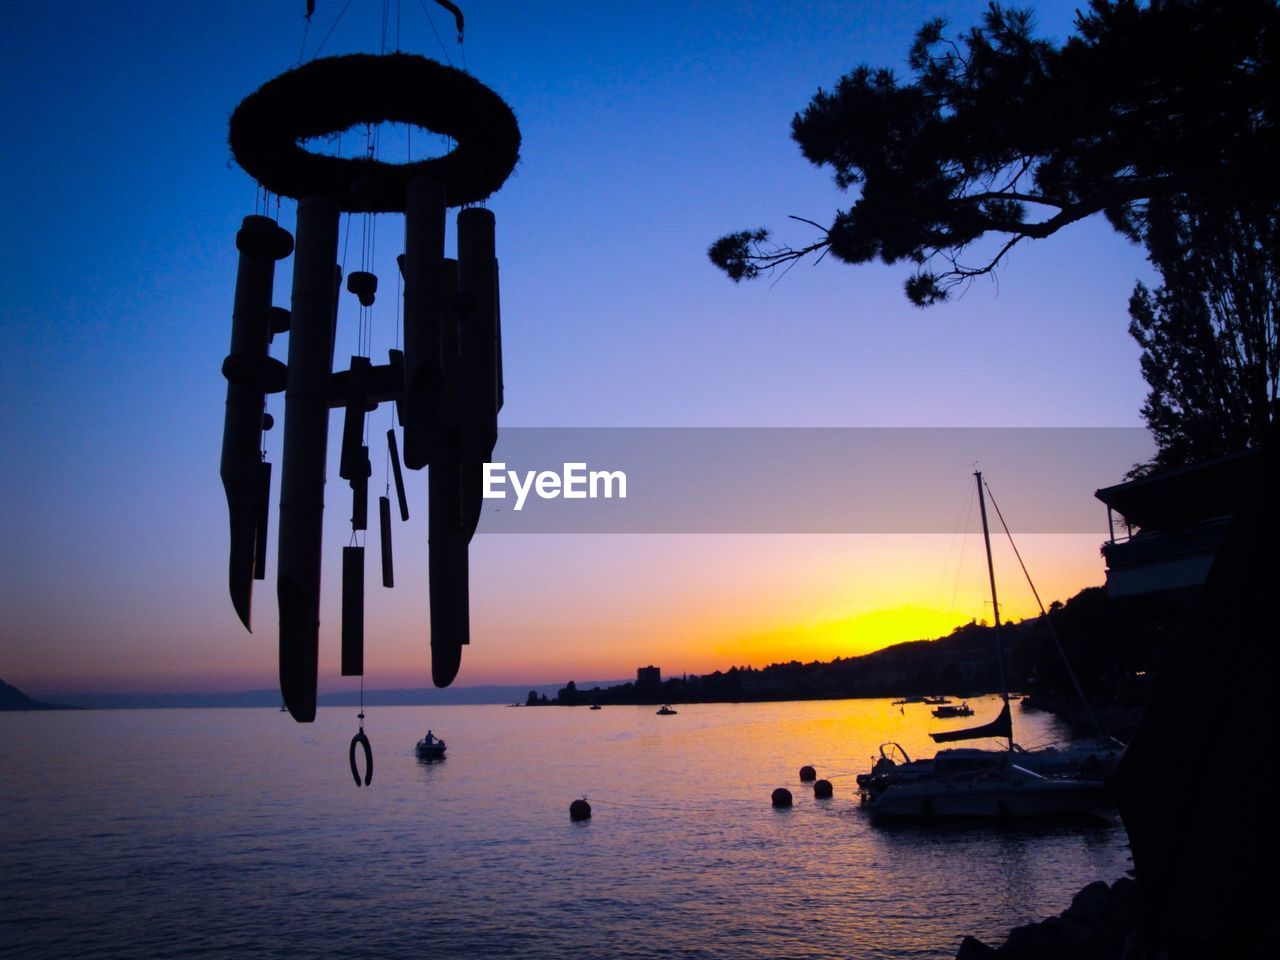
(1174, 499)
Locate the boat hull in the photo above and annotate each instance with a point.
(980, 799)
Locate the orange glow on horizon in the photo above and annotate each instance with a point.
(546, 610)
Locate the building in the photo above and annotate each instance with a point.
(1171, 526)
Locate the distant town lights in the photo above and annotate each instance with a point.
(574, 482)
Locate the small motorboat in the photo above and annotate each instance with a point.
(430, 747)
(953, 710)
(665, 710)
(595, 706)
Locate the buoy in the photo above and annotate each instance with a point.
(580, 810)
(782, 797)
(822, 790)
(808, 774)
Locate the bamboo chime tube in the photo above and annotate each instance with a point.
(393, 452)
(478, 383)
(353, 611)
(261, 242)
(264, 520)
(423, 360)
(305, 440)
(447, 536)
(384, 528)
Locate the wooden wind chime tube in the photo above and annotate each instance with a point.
(423, 361)
(264, 520)
(251, 374)
(353, 611)
(393, 453)
(479, 380)
(305, 440)
(384, 529)
(447, 534)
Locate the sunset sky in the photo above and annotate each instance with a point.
(649, 130)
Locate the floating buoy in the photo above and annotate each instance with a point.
(822, 790)
(782, 797)
(808, 774)
(580, 810)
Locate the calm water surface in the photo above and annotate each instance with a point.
(191, 833)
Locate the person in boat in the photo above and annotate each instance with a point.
(430, 739)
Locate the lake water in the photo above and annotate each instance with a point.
(192, 833)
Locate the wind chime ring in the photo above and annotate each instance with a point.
(332, 94)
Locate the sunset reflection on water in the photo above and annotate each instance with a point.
(168, 833)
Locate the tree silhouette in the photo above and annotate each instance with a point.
(1001, 136)
(1208, 333)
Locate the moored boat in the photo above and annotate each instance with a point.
(1002, 788)
(666, 711)
(967, 782)
(1078, 759)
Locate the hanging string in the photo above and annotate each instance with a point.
(306, 28)
(443, 48)
(964, 540)
(331, 29)
(1093, 720)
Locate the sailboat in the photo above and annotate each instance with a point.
(968, 782)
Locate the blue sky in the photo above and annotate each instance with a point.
(649, 130)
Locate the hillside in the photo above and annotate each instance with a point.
(1110, 646)
(11, 698)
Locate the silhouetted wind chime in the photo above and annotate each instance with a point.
(446, 384)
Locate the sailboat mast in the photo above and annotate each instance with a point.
(995, 604)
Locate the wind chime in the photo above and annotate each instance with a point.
(446, 383)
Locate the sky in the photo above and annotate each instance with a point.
(648, 131)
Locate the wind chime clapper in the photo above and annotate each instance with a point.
(447, 382)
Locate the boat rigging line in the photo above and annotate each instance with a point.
(1044, 614)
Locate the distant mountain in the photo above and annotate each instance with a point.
(407, 697)
(11, 698)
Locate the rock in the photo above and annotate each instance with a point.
(1088, 903)
(1045, 939)
(1100, 924)
(971, 948)
(1119, 913)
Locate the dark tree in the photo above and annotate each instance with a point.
(1208, 333)
(1000, 136)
